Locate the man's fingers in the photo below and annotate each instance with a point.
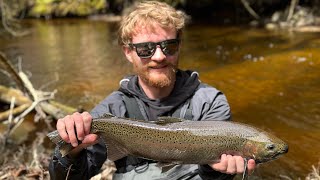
(75, 127)
(61, 127)
(222, 165)
(239, 164)
(232, 169)
(71, 130)
(90, 139)
(87, 119)
(78, 121)
(233, 164)
(251, 166)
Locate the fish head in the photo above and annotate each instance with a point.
(264, 147)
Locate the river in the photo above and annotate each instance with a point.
(271, 78)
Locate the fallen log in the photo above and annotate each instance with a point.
(16, 111)
(52, 108)
(6, 93)
(27, 99)
(14, 75)
(56, 110)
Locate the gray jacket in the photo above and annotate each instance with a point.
(190, 99)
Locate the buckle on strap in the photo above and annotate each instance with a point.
(142, 167)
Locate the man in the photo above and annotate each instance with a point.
(150, 36)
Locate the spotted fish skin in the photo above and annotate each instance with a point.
(182, 142)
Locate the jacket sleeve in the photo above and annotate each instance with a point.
(92, 158)
(85, 166)
(208, 103)
(218, 109)
(207, 173)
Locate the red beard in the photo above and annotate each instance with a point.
(148, 73)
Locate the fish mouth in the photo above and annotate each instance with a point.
(284, 150)
(273, 156)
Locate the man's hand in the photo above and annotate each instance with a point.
(233, 165)
(77, 127)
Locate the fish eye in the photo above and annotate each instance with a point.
(270, 147)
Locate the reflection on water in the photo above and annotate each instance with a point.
(271, 79)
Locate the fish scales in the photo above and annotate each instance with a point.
(174, 142)
(187, 142)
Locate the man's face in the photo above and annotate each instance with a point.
(159, 70)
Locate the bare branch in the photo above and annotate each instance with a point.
(18, 110)
(249, 9)
(6, 17)
(293, 5)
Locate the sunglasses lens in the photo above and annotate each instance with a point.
(170, 47)
(145, 50)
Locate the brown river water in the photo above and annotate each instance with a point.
(271, 79)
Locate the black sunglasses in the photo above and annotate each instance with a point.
(147, 49)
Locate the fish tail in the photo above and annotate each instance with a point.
(63, 146)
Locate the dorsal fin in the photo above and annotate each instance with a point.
(163, 120)
(107, 116)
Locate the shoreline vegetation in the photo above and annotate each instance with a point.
(293, 15)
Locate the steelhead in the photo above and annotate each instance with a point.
(178, 141)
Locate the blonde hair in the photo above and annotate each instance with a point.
(148, 13)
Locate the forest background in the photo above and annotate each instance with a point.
(269, 13)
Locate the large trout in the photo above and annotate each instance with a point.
(180, 141)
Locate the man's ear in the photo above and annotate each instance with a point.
(127, 51)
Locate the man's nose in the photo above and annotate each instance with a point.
(158, 55)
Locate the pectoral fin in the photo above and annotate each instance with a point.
(115, 151)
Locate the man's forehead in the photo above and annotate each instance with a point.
(152, 29)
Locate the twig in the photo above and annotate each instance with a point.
(10, 119)
(5, 73)
(11, 109)
(315, 174)
(19, 64)
(39, 140)
(293, 5)
(5, 176)
(40, 114)
(28, 85)
(249, 9)
(38, 97)
(4, 10)
(6, 93)
(17, 110)
(50, 82)
(13, 73)
(56, 109)
(69, 169)
(18, 120)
